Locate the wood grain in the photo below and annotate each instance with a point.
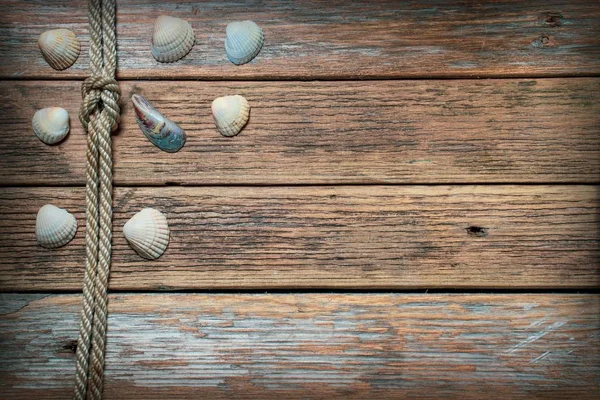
(509, 131)
(360, 346)
(267, 233)
(322, 39)
(324, 237)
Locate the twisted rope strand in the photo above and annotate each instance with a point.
(108, 121)
(87, 316)
(92, 217)
(99, 114)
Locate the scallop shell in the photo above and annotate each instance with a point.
(244, 41)
(231, 113)
(172, 39)
(147, 233)
(161, 131)
(60, 48)
(54, 226)
(51, 125)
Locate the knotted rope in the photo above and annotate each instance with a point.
(99, 115)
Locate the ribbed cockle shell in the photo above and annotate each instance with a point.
(244, 41)
(231, 113)
(172, 39)
(51, 125)
(60, 48)
(54, 226)
(148, 233)
(161, 131)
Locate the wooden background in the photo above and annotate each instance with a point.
(413, 210)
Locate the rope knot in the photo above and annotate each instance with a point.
(100, 93)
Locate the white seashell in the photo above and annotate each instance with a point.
(147, 233)
(231, 113)
(60, 48)
(54, 226)
(51, 125)
(172, 39)
(244, 41)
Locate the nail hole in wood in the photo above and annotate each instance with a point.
(553, 19)
(71, 346)
(477, 231)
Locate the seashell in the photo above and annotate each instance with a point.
(161, 131)
(51, 125)
(244, 41)
(60, 48)
(54, 226)
(147, 233)
(231, 113)
(172, 39)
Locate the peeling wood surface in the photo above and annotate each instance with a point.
(312, 346)
(344, 237)
(509, 131)
(322, 39)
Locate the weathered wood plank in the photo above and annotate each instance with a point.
(328, 39)
(324, 237)
(312, 346)
(509, 131)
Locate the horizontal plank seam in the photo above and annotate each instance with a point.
(316, 79)
(309, 185)
(482, 291)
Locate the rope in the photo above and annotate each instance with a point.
(99, 115)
